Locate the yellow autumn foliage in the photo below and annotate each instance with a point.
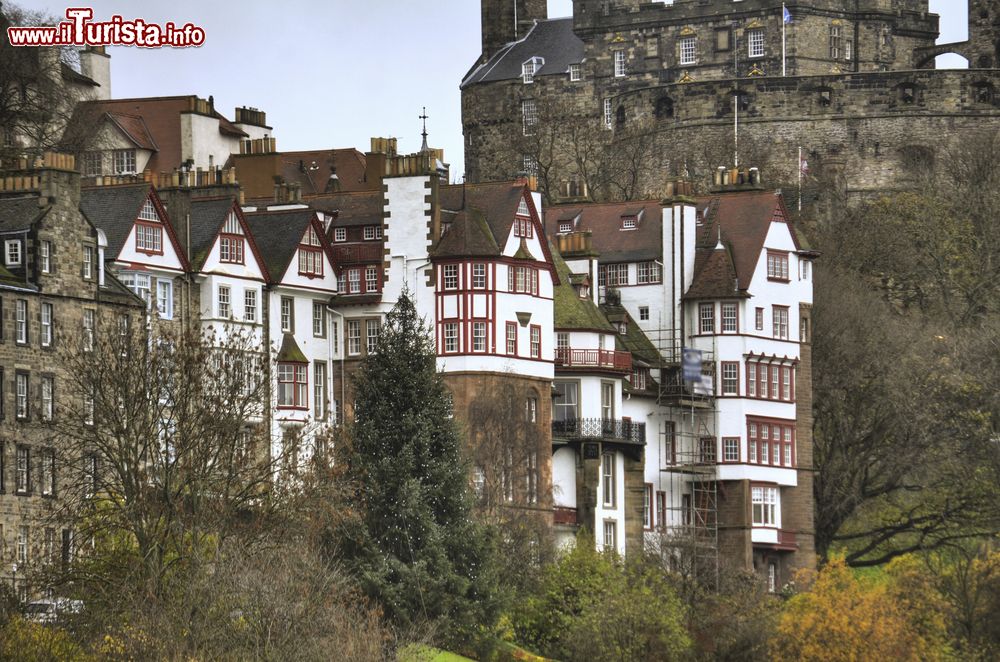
(845, 619)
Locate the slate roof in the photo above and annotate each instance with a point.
(496, 201)
(714, 275)
(114, 210)
(553, 40)
(160, 117)
(469, 235)
(633, 340)
(207, 217)
(279, 232)
(603, 220)
(20, 213)
(351, 209)
(572, 312)
(745, 219)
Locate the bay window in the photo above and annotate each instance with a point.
(766, 502)
(293, 385)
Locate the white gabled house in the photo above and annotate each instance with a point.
(142, 249)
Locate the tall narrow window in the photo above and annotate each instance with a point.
(319, 390)
(687, 47)
(608, 479)
(88, 330)
(231, 241)
(836, 42)
(23, 470)
(319, 319)
(249, 305)
(88, 262)
(759, 319)
(536, 342)
(21, 385)
(780, 321)
(512, 338)
(607, 114)
(451, 337)
(46, 321)
(353, 337)
(529, 116)
(354, 280)
(47, 398)
(706, 318)
(48, 472)
(21, 321)
(225, 302)
(610, 535)
(311, 254)
(372, 328)
(45, 256)
(532, 477)
(647, 506)
(165, 299)
(479, 276)
(730, 378)
(729, 321)
(755, 41)
(619, 63)
(287, 314)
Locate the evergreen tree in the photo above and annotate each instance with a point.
(413, 545)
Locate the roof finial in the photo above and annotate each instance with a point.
(423, 116)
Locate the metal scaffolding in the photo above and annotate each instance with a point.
(689, 534)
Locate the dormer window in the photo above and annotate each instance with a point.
(311, 254)
(565, 227)
(575, 73)
(12, 252)
(623, 328)
(530, 68)
(340, 234)
(231, 241)
(629, 222)
(149, 238)
(373, 232)
(123, 161)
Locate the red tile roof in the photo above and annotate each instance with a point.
(604, 221)
(161, 118)
(310, 169)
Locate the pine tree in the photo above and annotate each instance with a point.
(414, 545)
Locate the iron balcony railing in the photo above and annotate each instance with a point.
(603, 359)
(605, 429)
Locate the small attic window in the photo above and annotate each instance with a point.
(340, 234)
(629, 222)
(623, 328)
(522, 208)
(530, 68)
(565, 226)
(148, 212)
(584, 291)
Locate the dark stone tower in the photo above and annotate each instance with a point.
(508, 20)
(984, 34)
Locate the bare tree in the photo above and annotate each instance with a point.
(163, 453)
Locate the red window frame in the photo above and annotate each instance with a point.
(300, 387)
(511, 338)
(735, 318)
(661, 510)
(731, 441)
(760, 319)
(237, 249)
(760, 432)
(776, 324)
(735, 381)
(149, 226)
(536, 341)
(669, 444)
(702, 318)
(314, 257)
(648, 520)
(777, 266)
(485, 337)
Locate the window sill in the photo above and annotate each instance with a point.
(779, 280)
(293, 408)
(148, 252)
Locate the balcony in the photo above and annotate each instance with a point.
(566, 516)
(596, 359)
(357, 253)
(603, 429)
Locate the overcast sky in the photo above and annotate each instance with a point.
(330, 73)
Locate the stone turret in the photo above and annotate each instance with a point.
(508, 20)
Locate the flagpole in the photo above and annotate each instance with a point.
(736, 101)
(784, 26)
(800, 178)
